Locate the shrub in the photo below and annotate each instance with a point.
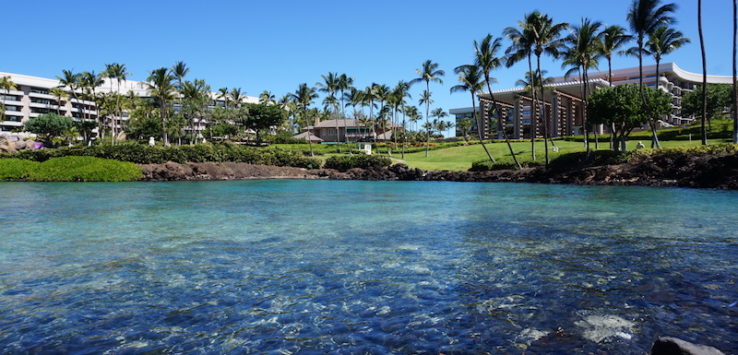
(346, 162)
(144, 154)
(69, 169)
(486, 165)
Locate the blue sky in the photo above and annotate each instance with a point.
(276, 45)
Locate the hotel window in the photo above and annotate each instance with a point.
(41, 101)
(9, 97)
(40, 91)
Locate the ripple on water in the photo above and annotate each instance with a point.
(377, 267)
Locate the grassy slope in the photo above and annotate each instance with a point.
(461, 158)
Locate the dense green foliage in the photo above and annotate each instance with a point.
(718, 99)
(70, 168)
(346, 162)
(49, 126)
(607, 157)
(620, 108)
(144, 154)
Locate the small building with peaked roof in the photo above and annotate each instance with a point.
(347, 130)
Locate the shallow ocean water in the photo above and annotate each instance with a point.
(353, 267)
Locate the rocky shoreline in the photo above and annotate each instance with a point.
(708, 171)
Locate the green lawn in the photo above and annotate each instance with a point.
(461, 158)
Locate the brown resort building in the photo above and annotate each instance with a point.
(346, 130)
(563, 106)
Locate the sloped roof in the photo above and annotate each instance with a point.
(305, 135)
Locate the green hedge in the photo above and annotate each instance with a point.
(346, 162)
(69, 169)
(144, 154)
(609, 157)
(486, 165)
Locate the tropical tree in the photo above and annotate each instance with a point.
(119, 73)
(195, 100)
(583, 50)
(485, 57)
(470, 77)
(612, 39)
(704, 72)
(661, 42)
(426, 99)
(60, 94)
(464, 125)
(237, 96)
(546, 40)
(397, 101)
(69, 80)
(523, 41)
(266, 97)
(224, 95)
(161, 88)
(381, 93)
(644, 17)
(303, 97)
(621, 107)
(49, 126)
(331, 85)
(6, 85)
(428, 73)
(735, 72)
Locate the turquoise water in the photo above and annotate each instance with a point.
(354, 267)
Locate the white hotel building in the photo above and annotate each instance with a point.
(563, 107)
(33, 97)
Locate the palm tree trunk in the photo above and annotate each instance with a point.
(310, 141)
(479, 127)
(655, 138)
(533, 111)
(543, 109)
(735, 74)
(404, 131)
(496, 109)
(704, 72)
(427, 112)
(609, 80)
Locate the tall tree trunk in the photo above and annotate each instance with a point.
(479, 126)
(735, 73)
(543, 108)
(427, 113)
(533, 111)
(609, 80)
(704, 72)
(496, 108)
(404, 131)
(310, 141)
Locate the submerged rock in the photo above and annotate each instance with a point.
(676, 346)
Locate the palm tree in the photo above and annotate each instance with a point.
(425, 99)
(354, 98)
(487, 60)
(331, 85)
(413, 115)
(266, 97)
(119, 73)
(60, 94)
(735, 73)
(439, 124)
(397, 101)
(160, 85)
(237, 96)
(546, 40)
(471, 80)
(223, 94)
(195, 98)
(523, 40)
(704, 72)
(612, 38)
(382, 94)
(70, 80)
(661, 42)
(303, 97)
(428, 72)
(583, 51)
(6, 85)
(344, 83)
(644, 17)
